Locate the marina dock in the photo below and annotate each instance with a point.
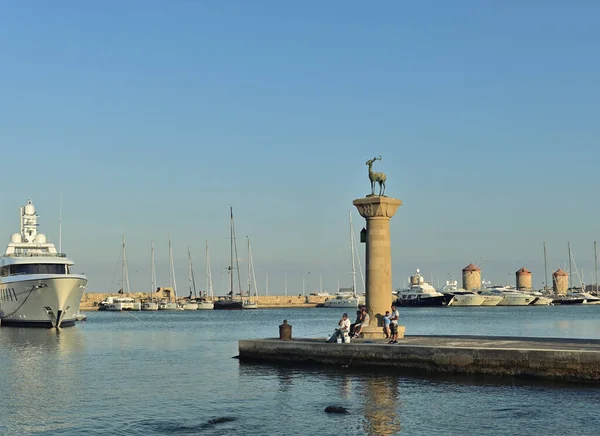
(546, 358)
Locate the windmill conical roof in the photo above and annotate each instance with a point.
(559, 272)
(471, 267)
(523, 271)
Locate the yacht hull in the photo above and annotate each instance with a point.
(206, 305)
(149, 306)
(443, 300)
(516, 300)
(467, 300)
(341, 303)
(542, 301)
(41, 300)
(491, 300)
(190, 306)
(228, 305)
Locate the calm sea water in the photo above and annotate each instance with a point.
(174, 373)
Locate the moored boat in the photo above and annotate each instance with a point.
(421, 294)
(462, 297)
(37, 287)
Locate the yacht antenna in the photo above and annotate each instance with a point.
(60, 224)
(352, 254)
(545, 268)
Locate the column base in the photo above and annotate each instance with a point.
(376, 332)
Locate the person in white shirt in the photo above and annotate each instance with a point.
(342, 330)
(394, 315)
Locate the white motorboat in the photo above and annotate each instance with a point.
(116, 304)
(37, 287)
(167, 305)
(421, 294)
(540, 299)
(462, 297)
(589, 298)
(510, 296)
(149, 305)
(342, 300)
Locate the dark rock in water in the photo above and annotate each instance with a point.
(220, 420)
(336, 409)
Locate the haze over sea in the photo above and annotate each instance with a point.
(152, 117)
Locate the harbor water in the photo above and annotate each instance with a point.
(155, 373)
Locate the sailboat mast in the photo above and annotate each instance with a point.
(570, 274)
(192, 282)
(208, 274)
(172, 279)
(125, 268)
(231, 252)
(123, 264)
(285, 285)
(267, 284)
(545, 268)
(352, 254)
(249, 269)
(596, 266)
(153, 274)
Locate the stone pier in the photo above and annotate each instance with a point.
(378, 210)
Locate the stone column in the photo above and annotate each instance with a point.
(378, 211)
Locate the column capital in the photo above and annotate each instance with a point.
(377, 206)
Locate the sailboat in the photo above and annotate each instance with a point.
(170, 305)
(122, 303)
(249, 303)
(151, 304)
(191, 304)
(203, 303)
(230, 303)
(345, 299)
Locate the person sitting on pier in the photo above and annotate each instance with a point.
(358, 319)
(342, 330)
(364, 322)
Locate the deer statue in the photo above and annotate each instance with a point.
(376, 177)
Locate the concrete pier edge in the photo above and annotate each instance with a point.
(545, 358)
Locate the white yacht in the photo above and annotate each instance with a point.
(37, 287)
(589, 298)
(171, 303)
(510, 296)
(540, 299)
(421, 294)
(462, 297)
(342, 300)
(121, 303)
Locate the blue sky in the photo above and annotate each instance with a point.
(155, 116)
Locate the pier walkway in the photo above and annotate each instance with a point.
(552, 358)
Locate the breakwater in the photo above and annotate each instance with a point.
(91, 300)
(550, 358)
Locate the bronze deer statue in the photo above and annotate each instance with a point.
(376, 177)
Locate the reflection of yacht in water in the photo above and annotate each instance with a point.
(421, 294)
(37, 288)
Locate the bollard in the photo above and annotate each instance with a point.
(285, 331)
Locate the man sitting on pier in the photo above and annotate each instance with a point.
(364, 322)
(342, 330)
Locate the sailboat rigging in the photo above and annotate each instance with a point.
(203, 303)
(231, 303)
(150, 304)
(249, 303)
